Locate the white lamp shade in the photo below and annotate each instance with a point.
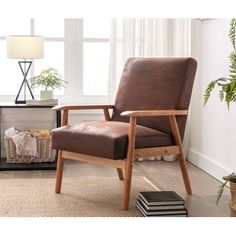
(25, 47)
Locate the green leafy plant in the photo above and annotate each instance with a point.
(48, 78)
(227, 93)
(231, 178)
(227, 86)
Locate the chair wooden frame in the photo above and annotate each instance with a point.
(132, 153)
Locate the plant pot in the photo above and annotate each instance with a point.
(233, 193)
(232, 203)
(169, 158)
(232, 209)
(46, 94)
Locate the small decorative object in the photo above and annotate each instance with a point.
(227, 85)
(48, 78)
(24, 47)
(232, 183)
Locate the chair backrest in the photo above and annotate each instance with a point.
(158, 84)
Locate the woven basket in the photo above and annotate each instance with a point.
(233, 193)
(46, 154)
(232, 209)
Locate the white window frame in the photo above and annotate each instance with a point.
(73, 63)
(10, 97)
(74, 42)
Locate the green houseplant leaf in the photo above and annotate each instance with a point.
(227, 93)
(48, 78)
(227, 86)
(231, 178)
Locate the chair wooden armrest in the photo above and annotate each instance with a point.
(81, 107)
(154, 113)
(67, 108)
(139, 113)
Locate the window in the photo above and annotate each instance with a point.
(95, 77)
(96, 35)
(10, 74)
(53, 32)
(77, 48)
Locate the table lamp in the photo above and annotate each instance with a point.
(24, 47)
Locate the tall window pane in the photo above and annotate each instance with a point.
(52, 30)
(49, 27)
(15, 26)
(53, 57)
(95, 69)
(97, 28)
(10, 73)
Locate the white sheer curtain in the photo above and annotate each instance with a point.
(145, 38)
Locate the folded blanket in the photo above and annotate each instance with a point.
(45, 133)
(25, 143)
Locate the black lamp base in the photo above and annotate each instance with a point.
(20, 102)
(24, 82)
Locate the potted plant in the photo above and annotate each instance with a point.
(227, 93)
(227, 86)
(48, 78)
(232, 183)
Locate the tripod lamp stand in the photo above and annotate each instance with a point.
(25, 48)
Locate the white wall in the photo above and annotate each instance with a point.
(212, 128)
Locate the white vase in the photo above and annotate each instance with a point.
(46, 94)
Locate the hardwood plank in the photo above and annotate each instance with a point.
(120, 173)
(147, 152)
(182, 162)
(94, 160)
(129, 163)
(154, 113)
(59, 172)
(65, 118)
(106, 114)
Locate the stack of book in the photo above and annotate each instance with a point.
(161, 203)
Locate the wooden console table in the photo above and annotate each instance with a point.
(4, 166)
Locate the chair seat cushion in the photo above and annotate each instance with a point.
(108, 139)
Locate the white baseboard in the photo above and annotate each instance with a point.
(205, 163)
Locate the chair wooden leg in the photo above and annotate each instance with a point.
(182, 161)
(120, 173)
(129, 164)
(127, 187)
(59, 172)
(184, 171)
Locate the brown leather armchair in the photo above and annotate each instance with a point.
(148, 118)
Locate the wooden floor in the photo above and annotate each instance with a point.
(166, 175)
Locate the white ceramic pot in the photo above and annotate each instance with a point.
(152, 158)
(169, 158)
(158, 158)
(46, 94)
